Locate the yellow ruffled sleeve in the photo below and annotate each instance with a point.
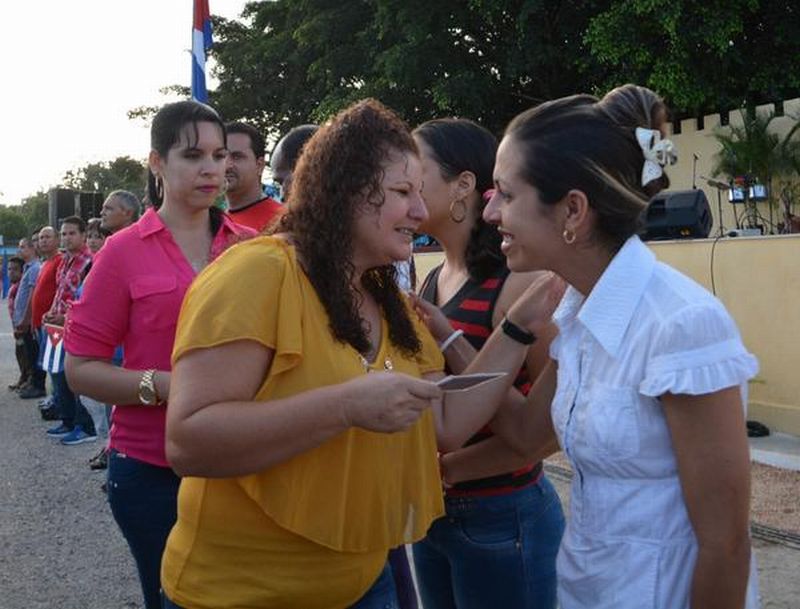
(241, 296)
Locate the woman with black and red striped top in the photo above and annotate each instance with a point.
(497, 544)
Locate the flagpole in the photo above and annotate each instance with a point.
(201, 43)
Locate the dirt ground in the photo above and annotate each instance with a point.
(59, 546)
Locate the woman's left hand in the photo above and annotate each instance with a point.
(432, 317)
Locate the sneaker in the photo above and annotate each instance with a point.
(77, 436)
(99, 461)
(32, 392)
(59, 431)
(48, 402)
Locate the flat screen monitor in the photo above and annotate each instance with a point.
(736, 195)
(758, 192)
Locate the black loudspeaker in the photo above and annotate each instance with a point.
(67, 202)
(680, 214)
(90, 204)
(62, 203)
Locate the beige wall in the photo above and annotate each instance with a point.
(758, 280)
(693, 141)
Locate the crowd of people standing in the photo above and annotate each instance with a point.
(269, 396)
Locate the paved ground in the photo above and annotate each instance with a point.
(59, 547)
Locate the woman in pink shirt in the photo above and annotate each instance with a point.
(132, 298)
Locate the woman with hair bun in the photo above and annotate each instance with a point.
(646, 388)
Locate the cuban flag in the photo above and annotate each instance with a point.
(201, 43)
(52, 349)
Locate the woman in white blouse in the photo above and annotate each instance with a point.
(646, 386)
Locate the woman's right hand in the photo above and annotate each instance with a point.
(432, 316)
(535, 307)
(387, 402)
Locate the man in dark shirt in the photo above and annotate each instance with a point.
(40, 302)
(285, 154)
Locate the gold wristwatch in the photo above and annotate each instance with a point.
(148, 395)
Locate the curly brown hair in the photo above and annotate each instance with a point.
(339, 173)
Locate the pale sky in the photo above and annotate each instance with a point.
(70, 73)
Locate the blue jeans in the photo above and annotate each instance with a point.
(493, 551)
(144, 501)
(70, 409)
(380, 596)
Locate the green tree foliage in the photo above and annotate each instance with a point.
(702, 56)
(122, 173)
(34, 211)
(300, 61)
(294, 61)
(12, 225)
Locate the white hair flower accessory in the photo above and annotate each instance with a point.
(657, 153)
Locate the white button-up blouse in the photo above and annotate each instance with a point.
(644, 330)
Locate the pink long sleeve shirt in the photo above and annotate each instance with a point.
(132, 297)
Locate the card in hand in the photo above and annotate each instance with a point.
(461, 382)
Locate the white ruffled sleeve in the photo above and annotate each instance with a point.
(697, 350)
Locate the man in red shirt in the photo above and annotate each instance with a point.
(42, 298)
(247, 204)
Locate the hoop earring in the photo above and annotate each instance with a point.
(458, 219)
(569, 236)
(159, 187)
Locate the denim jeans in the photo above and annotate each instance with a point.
(144, 502)
(403, 581)
(70, 409)
(493, 551)
(99, 413)
(380, 596)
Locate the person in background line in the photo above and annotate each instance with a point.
(76, 425)
(22, 308)
(15, 264)
(285, 154)
(41, 301)
(120, 209)
(328, 397)
(132, 298)
(247, 204)
(647, 385)
(508, 506)
(96, 235)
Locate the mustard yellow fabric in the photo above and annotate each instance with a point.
(315, 530)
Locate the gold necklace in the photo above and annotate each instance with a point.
(388, 366)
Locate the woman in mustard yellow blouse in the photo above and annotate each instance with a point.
(302, 407)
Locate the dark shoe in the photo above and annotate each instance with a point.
(99, 461)
(32, 392)
(49, 414)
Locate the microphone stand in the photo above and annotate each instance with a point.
(720, 186)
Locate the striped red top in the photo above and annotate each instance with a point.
(471, 310)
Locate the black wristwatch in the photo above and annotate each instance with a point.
(514, 332)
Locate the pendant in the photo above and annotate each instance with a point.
(388, 366)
